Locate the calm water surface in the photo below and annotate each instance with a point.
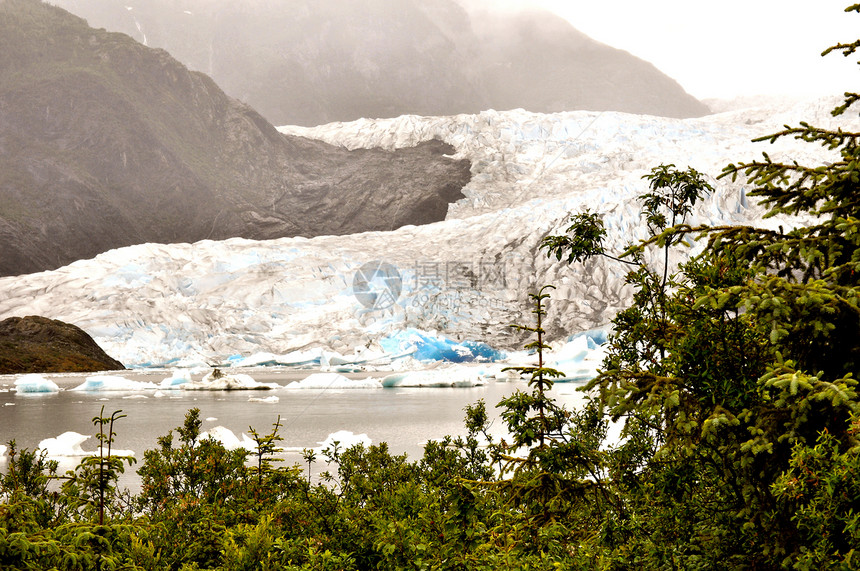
(404, 417)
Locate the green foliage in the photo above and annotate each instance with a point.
(196, 471)
(736, 371)
(731, 380)
(28, 472)
(91, 488)
(820, 492)
(582, 240)
(267, 447)
(527, 429)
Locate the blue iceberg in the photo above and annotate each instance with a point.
(35, 383)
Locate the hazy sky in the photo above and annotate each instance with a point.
(727, 48)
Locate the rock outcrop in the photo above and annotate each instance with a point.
(40, 345)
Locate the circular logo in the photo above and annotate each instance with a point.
(377, 285)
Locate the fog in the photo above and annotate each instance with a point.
(310, 62)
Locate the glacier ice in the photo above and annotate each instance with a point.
(430, 346)
(307, 358)
(465, 278)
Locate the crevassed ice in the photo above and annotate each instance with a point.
(465, 279)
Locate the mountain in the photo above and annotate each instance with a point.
(35, 344)
(465, 278)
(106, 143)
(307, 62)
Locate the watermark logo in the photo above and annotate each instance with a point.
(431, 287)
(377, 285)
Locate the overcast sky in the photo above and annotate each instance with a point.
(727, 48)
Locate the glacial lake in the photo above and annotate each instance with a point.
(404, 417)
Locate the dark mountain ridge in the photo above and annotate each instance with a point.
(107, 143)
(307, 62)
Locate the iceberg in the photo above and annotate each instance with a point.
(217, 381)
(35, 383)
(68, 445)
(113, 383)
(344, 439)
(579, 359)
(176, 380)
(333, 381)
(228, 439)
(458, 377)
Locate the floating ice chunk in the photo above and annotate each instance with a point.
(228, 438)
(579, 359)
(177, 379)
(65, 445)
(112, 383)
(35, 383)
(572, 352)
(333, 381)
(68, 445)
(272, 399)
(345, 439)
(113, 452)
(430, 346)
(442, 377)
(217, 381)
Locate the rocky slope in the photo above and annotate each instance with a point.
(40, 345)
(107, 143)
(307, 62)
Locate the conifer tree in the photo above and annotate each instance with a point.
(742, 365)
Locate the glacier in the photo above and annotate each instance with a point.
(461, 282)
